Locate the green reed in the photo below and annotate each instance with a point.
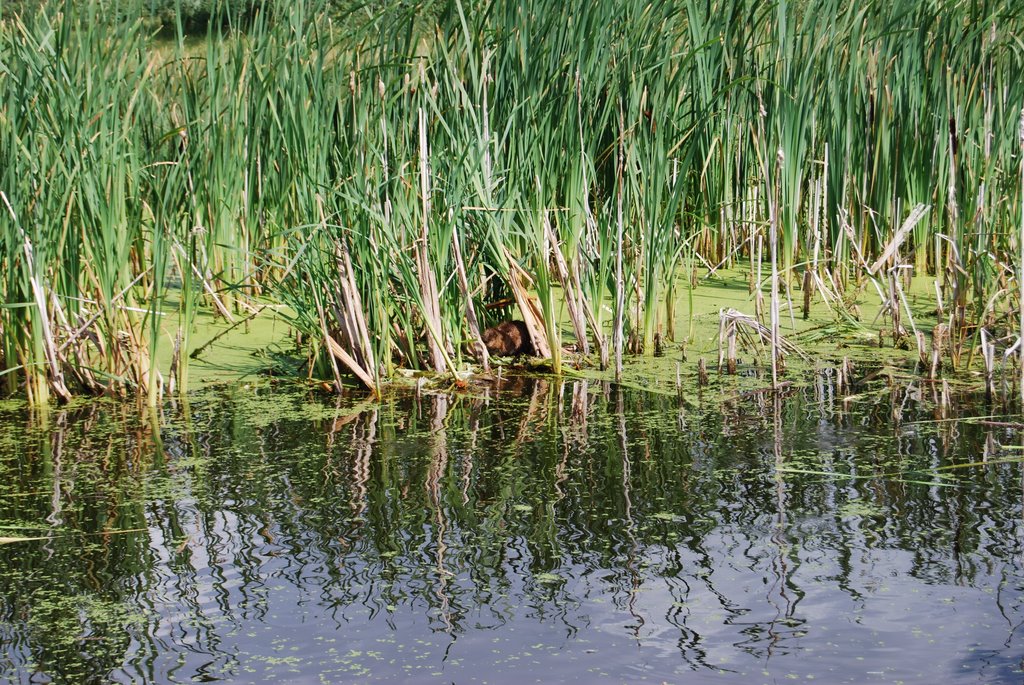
(396, 177)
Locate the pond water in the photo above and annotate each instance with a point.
(541, 531)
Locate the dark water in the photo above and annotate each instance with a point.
(547, 532)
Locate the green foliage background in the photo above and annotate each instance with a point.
(160, 14)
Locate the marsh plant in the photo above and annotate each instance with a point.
(402, 177)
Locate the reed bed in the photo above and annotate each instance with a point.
(402, 179)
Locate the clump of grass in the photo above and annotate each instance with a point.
(392, 175)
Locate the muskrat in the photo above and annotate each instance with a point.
(508, 339)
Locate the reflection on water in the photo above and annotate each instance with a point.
(539, 531)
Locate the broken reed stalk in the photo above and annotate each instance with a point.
(519, 282)
(196, 353)
(988, 355)
(892, 305)
(727, 332)
(349, 317)
(939, 335)
(899, 237)
(737, 327)
(352, 303)
(922, 351)
(808, 288)
(731, 360)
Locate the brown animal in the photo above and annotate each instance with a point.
(508, 339)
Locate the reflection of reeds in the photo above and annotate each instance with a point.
(436, 509)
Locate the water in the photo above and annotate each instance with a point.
(541, 532)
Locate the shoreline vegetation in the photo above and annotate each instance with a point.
(394, 181)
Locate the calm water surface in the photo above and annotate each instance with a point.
(540, 532)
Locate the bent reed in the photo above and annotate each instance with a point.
(400, 178)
